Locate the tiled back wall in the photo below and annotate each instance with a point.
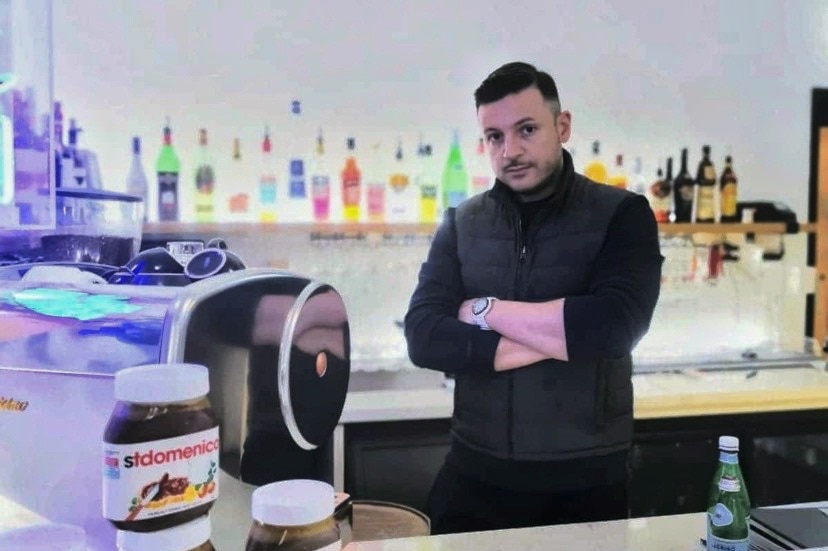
(754, 305)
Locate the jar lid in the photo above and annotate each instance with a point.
(161, 383)
(729, 443)
(179, 538)
(293, 502)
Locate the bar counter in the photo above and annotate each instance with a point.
(668, 533)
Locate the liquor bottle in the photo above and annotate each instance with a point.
(7, 160)
(58, 142)
(238, 203)
(205, 178)
(728, 505)
(705, 202)
(351, 180)
(296, 165)
(683, 191)
(639, 182)
(167, 168)
(596, 170)
(320, 181)
(455, 181)
(659, 195)
(268, 181)
(728, 192)
(481, 170)
(427, 178)
(402, 196)
(374, 179)
(73, 172)
(619, 177)
(136, 183)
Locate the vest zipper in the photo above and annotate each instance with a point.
(518, 294)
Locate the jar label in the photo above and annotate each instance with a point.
(162, 477)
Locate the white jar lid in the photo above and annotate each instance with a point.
(729, 443)
(179, 538)
(293, 502)
(161, 383)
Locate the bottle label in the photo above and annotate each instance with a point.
(321, 186)
(729, 200)
(719, 544)
(297, 179)
(158, 478)
(454, 198)
(705, 210)
(729, 484)
(267, 190)
(709, 173)
(168, 196)
(376, 200)
(205, 179)
(721, 515)
(728, 457)
(350, 191)
(398, 181)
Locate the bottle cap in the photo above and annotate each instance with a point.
(161, 383)
(184, 536)
(729, 443)
(293, 502)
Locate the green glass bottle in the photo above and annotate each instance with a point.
(455, 176)
(205, 181)
(167, 166)
(728, 512)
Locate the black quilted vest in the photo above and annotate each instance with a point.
(551, 410)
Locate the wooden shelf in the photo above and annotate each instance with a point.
(756, 227)
(241, 228)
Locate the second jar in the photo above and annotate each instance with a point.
(293, 515)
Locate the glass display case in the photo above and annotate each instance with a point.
(27, 189)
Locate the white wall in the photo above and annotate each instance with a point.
(645, 77)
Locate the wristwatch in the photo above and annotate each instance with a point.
(481, 307)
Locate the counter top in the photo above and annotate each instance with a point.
(669, 533)
(421, 394)
(666, 533)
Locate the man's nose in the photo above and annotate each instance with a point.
(511, 148)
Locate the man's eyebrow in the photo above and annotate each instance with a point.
(522, 121)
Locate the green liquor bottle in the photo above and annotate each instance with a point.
(455, 176)
(167, 167)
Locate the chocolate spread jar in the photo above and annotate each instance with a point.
(160, 448)
(293, 515)
(192, 536)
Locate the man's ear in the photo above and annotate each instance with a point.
(564, 126)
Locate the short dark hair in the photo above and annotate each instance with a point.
(512, 78)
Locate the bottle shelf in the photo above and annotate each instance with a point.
(243, 228)
(754, 227)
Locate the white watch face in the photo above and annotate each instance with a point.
(479, 306)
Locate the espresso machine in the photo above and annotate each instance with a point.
(276, 345)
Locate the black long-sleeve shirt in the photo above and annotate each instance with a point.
(606, 322)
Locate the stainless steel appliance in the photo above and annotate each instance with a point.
(277, 347)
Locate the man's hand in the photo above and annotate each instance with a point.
(464, 314)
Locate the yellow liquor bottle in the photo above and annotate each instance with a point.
(595, 169)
